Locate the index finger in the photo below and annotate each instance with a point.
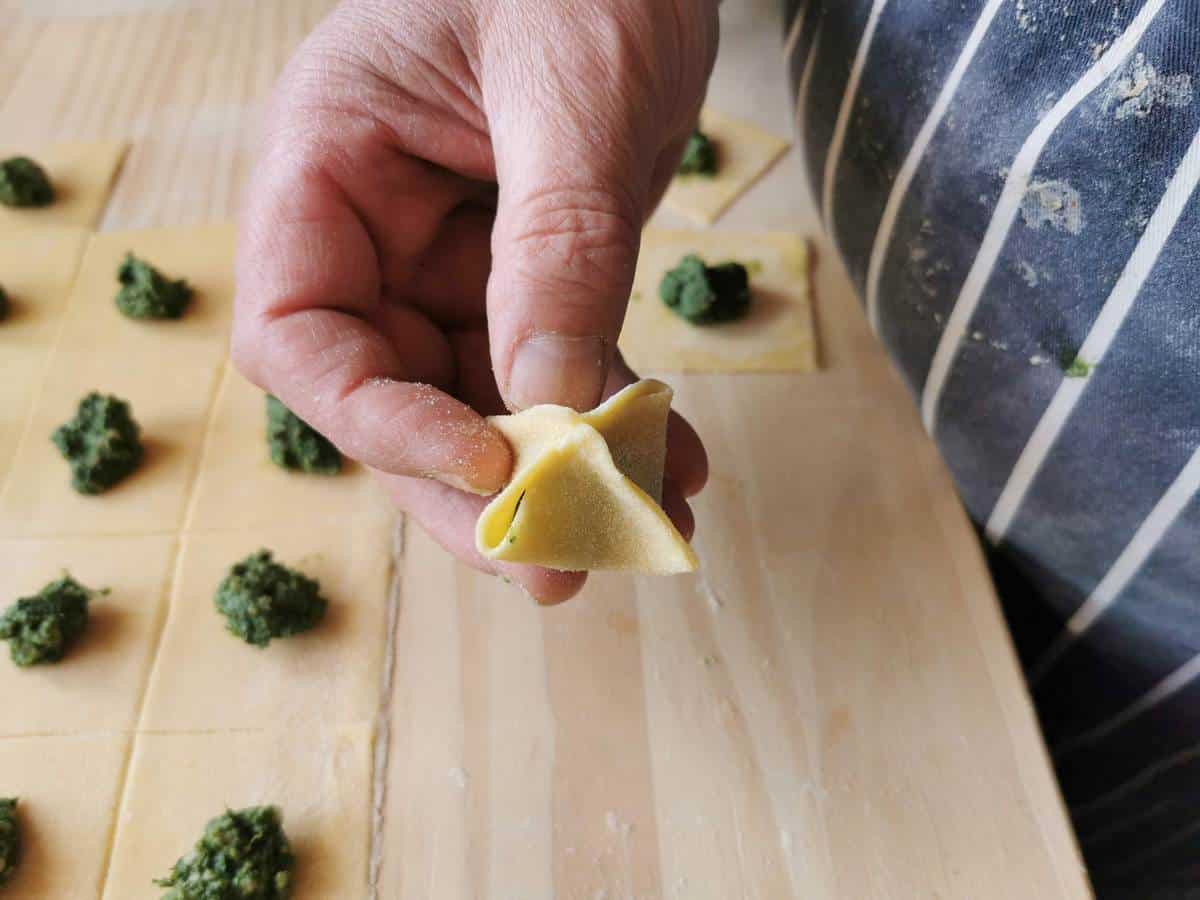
(308, 282)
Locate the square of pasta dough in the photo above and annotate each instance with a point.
(318, 775)
(98, 685)
(168, 371)
(37, 268)
(82, 175)
(207, 678)
(68, 788)
(744, 153)
(236, 462)
(776, 335)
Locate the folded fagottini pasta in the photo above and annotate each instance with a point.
(586, 488)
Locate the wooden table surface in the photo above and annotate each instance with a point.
(831, 708)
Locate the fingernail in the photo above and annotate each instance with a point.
(555, 368)
(460, 484)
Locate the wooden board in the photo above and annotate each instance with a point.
(831, 708)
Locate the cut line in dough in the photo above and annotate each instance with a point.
(744, 154)
(776, 335)
(205, 678)
(37, 269)
(68, 787)
(586, 488)
(98, 685)
(167, 371)
(82, 175)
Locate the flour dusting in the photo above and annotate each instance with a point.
(1026, 20)
(1140, 88)
(1055, 203)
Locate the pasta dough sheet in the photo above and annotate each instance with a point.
(744, 154)
(236, 463)
(775, 336)
(168, 371)
(68, 788)
(206, 678)
(37, 267)
(586, 487)
(318, 775)
(82, 175)
(98, 685)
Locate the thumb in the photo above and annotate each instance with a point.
(564, 249)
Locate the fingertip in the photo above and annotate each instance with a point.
(687, 460)
(678, 510)
(546, 587)
(482, 460)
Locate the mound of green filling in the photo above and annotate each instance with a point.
(706, 294)
(148, 294)
(242, 855)
(294, 444)
(24, 183)
(40, 629)
(10, 839)
(101, 443)
(699, 157)
(262, 599)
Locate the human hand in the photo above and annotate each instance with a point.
(448, 186)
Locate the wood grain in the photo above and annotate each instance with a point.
(831, 708)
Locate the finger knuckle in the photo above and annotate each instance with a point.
(577, 234)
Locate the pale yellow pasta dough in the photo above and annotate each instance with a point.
(168, 371)
(777, 333)
(82, 175)
(319, 776)
(206, 678)
(98, 685)
(37, 267)
(586, 487)
(68, 788)
(744, 153)
(235, 462)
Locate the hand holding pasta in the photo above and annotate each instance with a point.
(444, 223)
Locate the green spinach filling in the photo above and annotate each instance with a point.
(101, 443)
(699, 157)
(148, 294)
(41, 628)
(10, 839)
(294, 444)
(262, 600)
(242, 855)
(706, 294)
(24, 183)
